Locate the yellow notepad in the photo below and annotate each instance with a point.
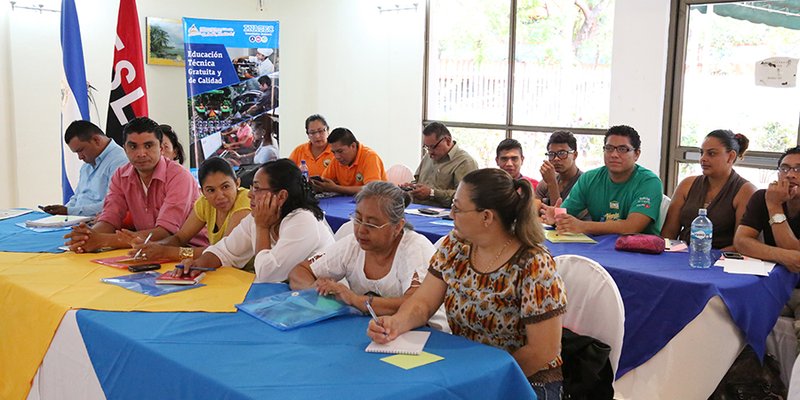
(407, 361)
(554, 237)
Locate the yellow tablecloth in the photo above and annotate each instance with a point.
(37, 289)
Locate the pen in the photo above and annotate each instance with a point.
(372, 313)
(138, 253)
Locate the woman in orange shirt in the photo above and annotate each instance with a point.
(317, 152)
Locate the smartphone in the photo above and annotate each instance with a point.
(732, 255)
(315, 178)
(429, 211)
(144, 267)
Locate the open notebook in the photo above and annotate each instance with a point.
(411, 342)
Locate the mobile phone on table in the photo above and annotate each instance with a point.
(732, 255)
(144, 267)
(429, 211)
(315, 178)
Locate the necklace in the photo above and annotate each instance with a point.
(497, 256)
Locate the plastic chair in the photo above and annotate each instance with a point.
(594, 304)
(399, 174)
(782, 343)
(344, 230)
(663, 211)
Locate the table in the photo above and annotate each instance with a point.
(21, 240)
(235, 356)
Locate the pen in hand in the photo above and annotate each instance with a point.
(374, 316)
(139, 253)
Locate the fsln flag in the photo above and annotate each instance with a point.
(128, 98)
(74, 93)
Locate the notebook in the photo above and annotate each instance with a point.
(411, 342)
(554, 237)
(168, 279)
(55, 221)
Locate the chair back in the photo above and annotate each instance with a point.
(663, 211)
(399, 174)
(594, 304)
(344, 230)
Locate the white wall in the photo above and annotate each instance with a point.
(342, 58)
(639, 65)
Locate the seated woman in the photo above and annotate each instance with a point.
(170, 147)
(223, 205)
(498, 283)
(720, 190)
(285, 227)
(383, 257)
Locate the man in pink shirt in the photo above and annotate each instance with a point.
(158, 193)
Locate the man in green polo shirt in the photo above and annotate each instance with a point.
(621, 197)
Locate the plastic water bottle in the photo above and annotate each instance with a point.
(700, 241)
(304, 169)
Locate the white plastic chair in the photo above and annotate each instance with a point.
(344, 230)
(794, 383)
(399, 174)
(663, 211)
(594, 305)
(782, 343)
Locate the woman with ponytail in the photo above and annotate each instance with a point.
(285, 227)
(497, 281)
(720, 190)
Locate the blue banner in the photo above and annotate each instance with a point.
(232, 81)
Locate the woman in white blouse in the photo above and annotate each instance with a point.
(285, 227)
(383, 261)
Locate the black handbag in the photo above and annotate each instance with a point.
(750, 379)
(587, 370)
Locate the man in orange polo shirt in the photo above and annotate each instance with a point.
(356, 165)
(317, 152)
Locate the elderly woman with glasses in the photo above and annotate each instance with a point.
(285, 227)
(383, 261)
(497, 281)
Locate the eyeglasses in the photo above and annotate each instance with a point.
(359, 221)
(454, 208)
(562, 154)
(317, 132)
(257, 190)
(619, 149)
(784, 169)
(430, 148)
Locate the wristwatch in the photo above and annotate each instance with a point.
(431, 196)
(777, 219)
(186, 252)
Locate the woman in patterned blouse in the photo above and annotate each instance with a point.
(498, 282)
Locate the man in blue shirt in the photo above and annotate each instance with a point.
(102, 157)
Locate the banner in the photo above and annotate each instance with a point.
(128, 98)
(232, 80)
(74, 94)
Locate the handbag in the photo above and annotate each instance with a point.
(750, 379)
(640, 243)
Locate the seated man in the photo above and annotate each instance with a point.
(356, 165)
(509, 158)
(775, 212)
(268, 99)
(559, 171)
(439, 174)
(622, 197)
(102, 156)
(157, 192)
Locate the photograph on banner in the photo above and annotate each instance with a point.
(233, 81)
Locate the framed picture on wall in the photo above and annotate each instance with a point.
(164, 42)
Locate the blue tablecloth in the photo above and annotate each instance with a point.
(234, 356)
(20, 240)
(662, 294)
(338, 210)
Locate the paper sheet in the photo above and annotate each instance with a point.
(554, 237)
(407, 361)
(748, 266)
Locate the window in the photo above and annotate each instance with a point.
(718, 47)
(559, 77)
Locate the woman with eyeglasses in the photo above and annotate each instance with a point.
(285, 227)
(317, 152)
(498, 283)
(720, 190)
(219, 210)
(384, 261)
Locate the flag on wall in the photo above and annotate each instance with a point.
(128, 98)
(74, 94)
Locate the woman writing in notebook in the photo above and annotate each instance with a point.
(285, 227)
(498, 283)
(383, 261)
(720, 190)
(221, 207)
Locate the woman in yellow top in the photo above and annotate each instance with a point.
(223, 205)
(317, 152)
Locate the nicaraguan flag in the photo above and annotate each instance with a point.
(74, 93)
